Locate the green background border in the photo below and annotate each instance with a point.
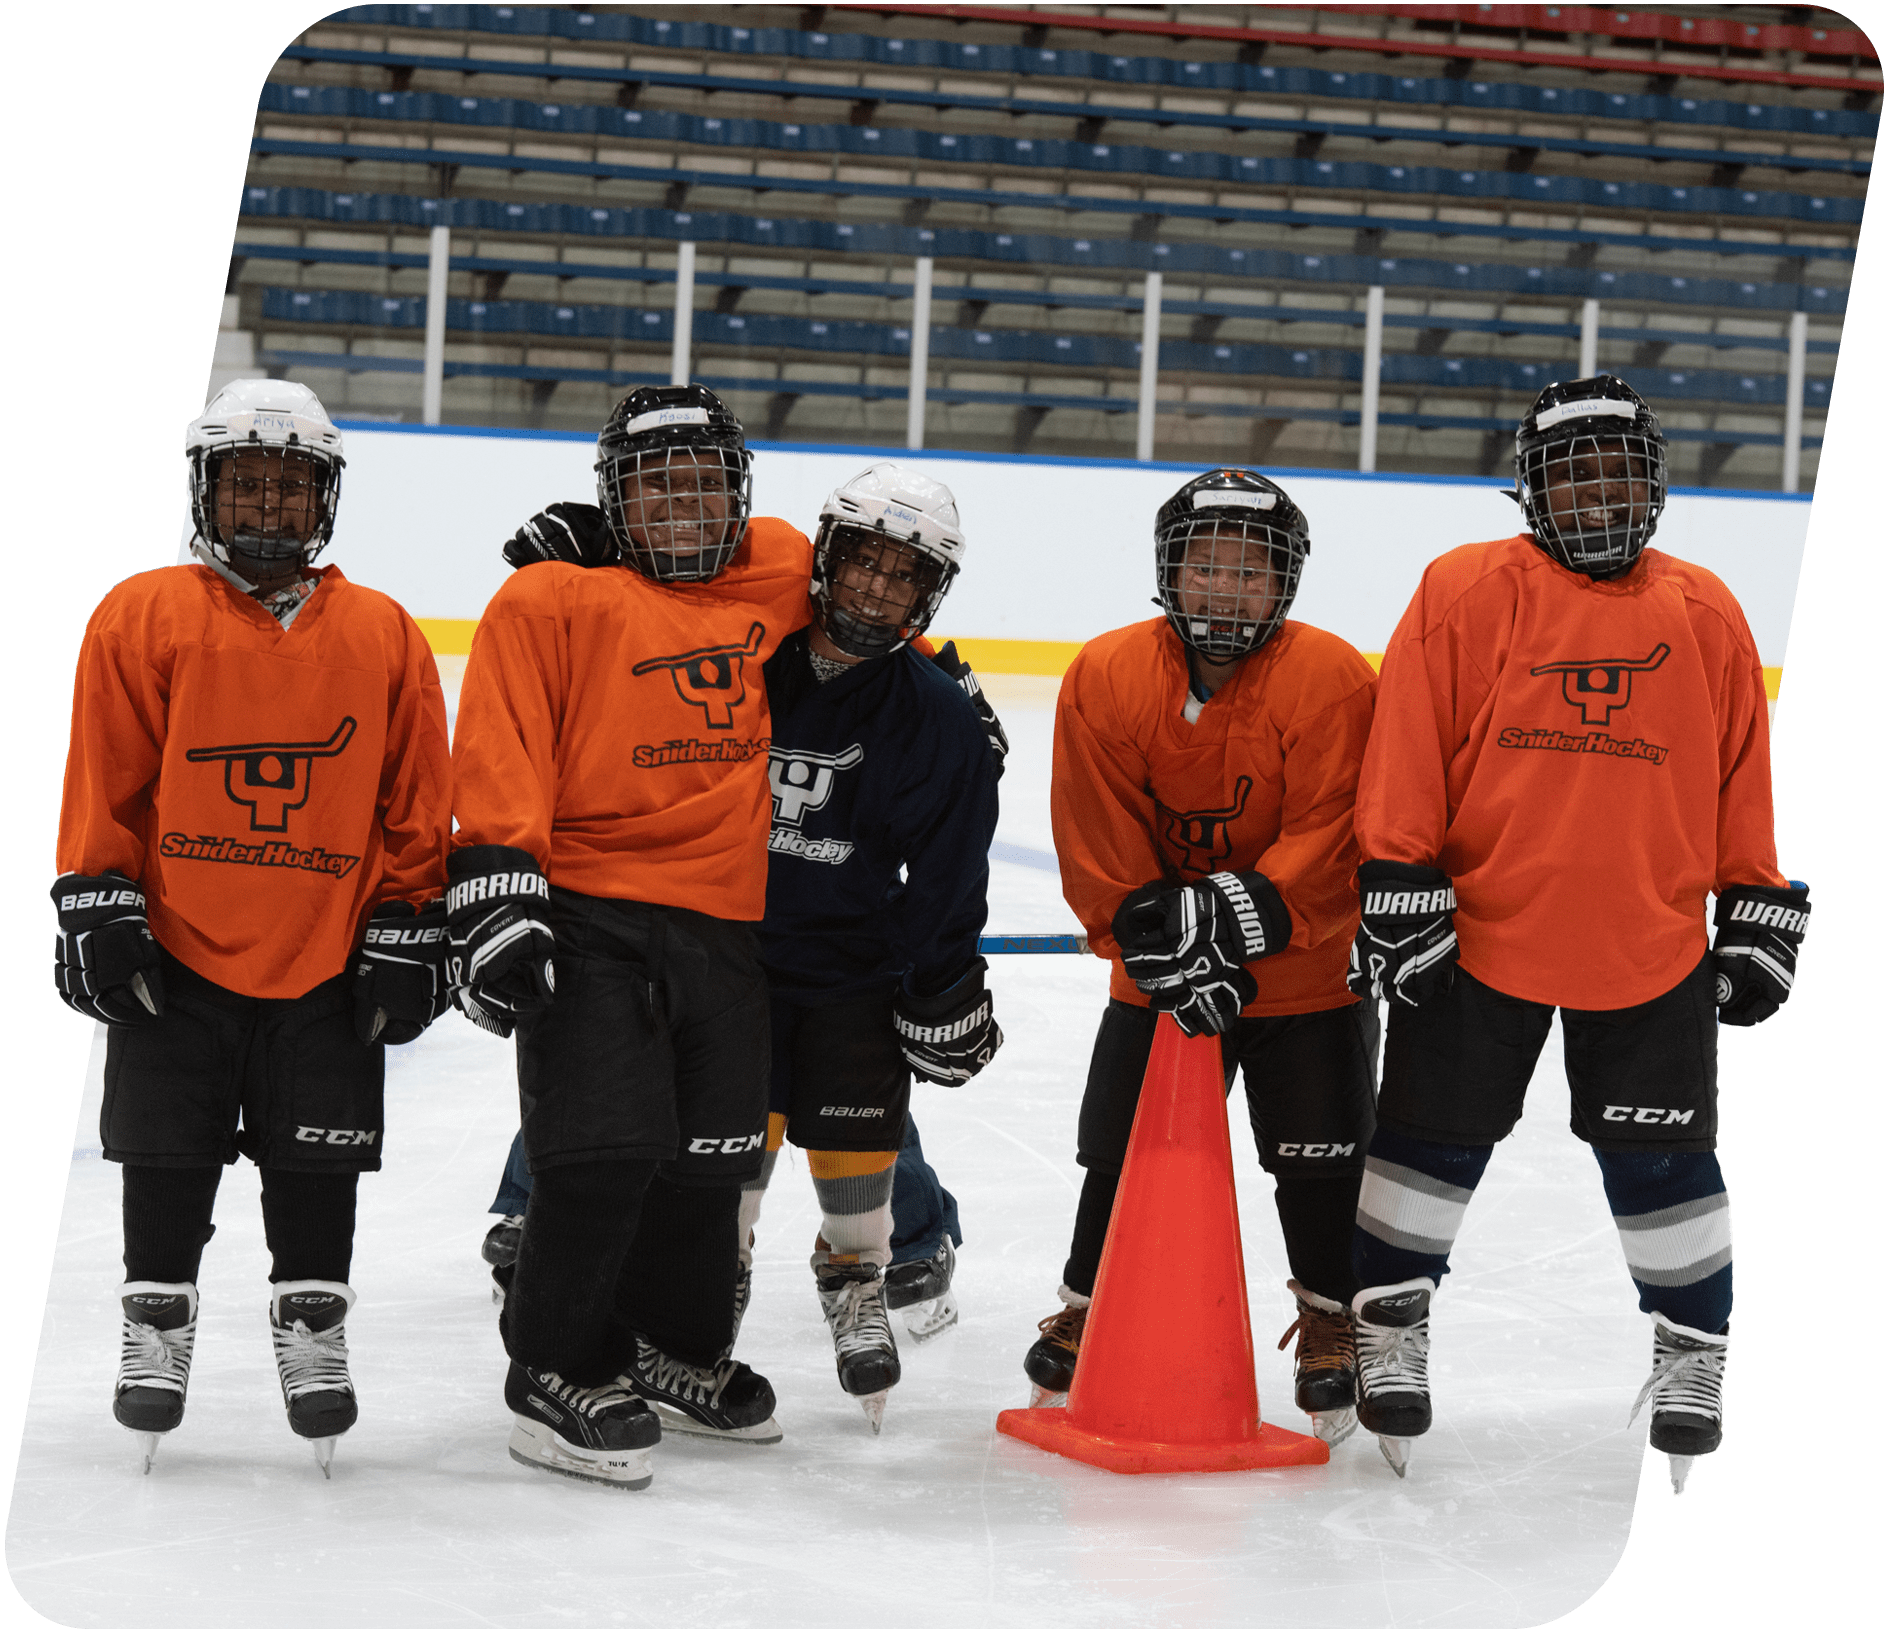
(129, 129)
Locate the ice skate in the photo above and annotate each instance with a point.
(156, 1340)
(728, 1402)
(744, 1292)
(309, 1322)
(1325, 1365)
(500, 1247)
(600, 1433)
(922, 1290)
(1686, 1391)
(1051, 1362)
(853, 1299)
(1393, 1340)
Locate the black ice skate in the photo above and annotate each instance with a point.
(309, 1321)
(729, 1402)
(1686, 1390)
(1393, 1329)
(598, 1433)
(1051, 1362)
(156, 1340)
(853, 1299)
(500, 1247)
(922, 1290)
(1325, 1366)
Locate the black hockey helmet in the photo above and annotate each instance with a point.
(1590, 474)
(675, 481)
(1257, 530)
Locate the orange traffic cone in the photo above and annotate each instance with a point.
(1164, 1380)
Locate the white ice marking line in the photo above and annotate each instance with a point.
(1074, 1190)
(1030, 857)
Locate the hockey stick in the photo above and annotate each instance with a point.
(1055, 942)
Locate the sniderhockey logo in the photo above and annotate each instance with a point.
(270, 779)
(801, 781)
(711, 679)
(1203, 839)
(1598, 688)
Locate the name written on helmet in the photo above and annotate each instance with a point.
(1213, 499)
(666, 417)
(1585, 408)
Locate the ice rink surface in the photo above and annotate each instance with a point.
(1516, 1508)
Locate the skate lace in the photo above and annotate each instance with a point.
(1394, 1359)
(1682, 1381)
(309, 1360)
(1325, 1340)
(686, 1381)
(156, 1356)
(859, 1321)
(588, 1400)
(1065, 1328)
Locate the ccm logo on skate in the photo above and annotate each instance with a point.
(1317, 1149)
(732, 1144)
(335, 1138)
(101, 899)
(1648, 1115)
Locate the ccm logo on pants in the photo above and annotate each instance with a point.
(1648, 1115)
(335, 1138)
(732, 1144)
(1317, 1149)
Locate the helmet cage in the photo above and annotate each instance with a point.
(1583, 511)
(668, 456)
(1256, 530)
(275, 539)
(874, 621)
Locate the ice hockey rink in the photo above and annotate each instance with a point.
(1515, 1510)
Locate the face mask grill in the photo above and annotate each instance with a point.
(264, 505)
(872, 593)
(1592, 503)
(1227, 585)
(679, 512)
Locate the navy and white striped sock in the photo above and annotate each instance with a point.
(1410, 1207)
(1675, 1225)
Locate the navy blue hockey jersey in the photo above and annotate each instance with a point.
(885, 801)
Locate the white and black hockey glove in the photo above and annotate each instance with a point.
(400, 972)
(947, 660)
(1187, 947)
(1760, 929)
(566, 532)
(106, 963)
(499, 965)
(950, 1037)
(1405, 949)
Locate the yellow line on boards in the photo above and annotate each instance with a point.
(989, 654)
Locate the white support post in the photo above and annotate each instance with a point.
(685, 315)
(1150, 366)
(1794, 402)
(921, 354)
(1590, 338)
(1373, 367)
(433, 367)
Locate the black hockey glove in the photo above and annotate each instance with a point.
(951, 1037)
(400, 972)
(1405, 949)
(1760, 930)
(1187, 947)
(106, 963)
(947, 660)
(565, 532)
(499, 966)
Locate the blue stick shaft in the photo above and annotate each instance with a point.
(1055, 942)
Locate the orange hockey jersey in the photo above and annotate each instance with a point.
(268, 787)
(617, 729)
(1263, 780)
(1586, 760)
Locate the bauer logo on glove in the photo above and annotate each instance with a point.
(106, 963)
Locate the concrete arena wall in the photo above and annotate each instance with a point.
(1058, 550)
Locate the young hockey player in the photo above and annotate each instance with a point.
(841, 929)
(1571, 751)
(251, 851)
(610, 773)
(1201, 801)
(885, 801)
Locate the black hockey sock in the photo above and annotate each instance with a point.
(1085, 1242)
(560, 1315)
(677, 1287)
(308, 1222)
(1410, 1207)
(1674, 1222)
(1318, 1215)
(167, 1221)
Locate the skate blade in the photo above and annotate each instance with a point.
(1331, 1426)
(873, 1407)
(323, 1448)
(542, 1448)
(930, 1318)
(1042, 1397)
(1396, 1451)
(147, 1449)
(674, 1420)
(1682, 1468)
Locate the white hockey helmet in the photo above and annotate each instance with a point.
(284, 421)
(906, 526)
